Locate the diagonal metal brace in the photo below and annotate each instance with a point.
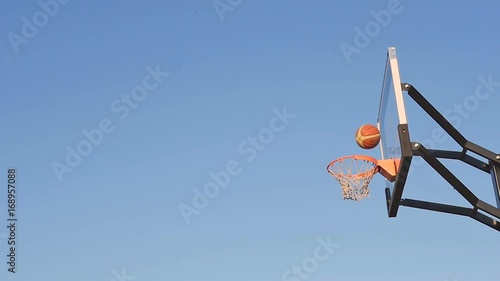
(454, 181)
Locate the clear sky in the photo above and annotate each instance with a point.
(117, 115)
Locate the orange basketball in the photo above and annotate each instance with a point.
(367, 136)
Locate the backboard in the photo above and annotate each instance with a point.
(392, 123)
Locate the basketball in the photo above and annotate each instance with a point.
(367, 136)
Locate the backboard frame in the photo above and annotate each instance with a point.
(393, 199)
(392, 75)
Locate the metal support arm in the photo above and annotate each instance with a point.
(492, 166)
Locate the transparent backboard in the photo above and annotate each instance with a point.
(391, 111)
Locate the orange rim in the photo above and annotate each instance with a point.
(355, 157)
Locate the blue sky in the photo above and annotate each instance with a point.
(208, 82)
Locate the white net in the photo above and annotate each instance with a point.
(354, 173)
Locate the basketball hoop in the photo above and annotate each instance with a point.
(355, 172)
